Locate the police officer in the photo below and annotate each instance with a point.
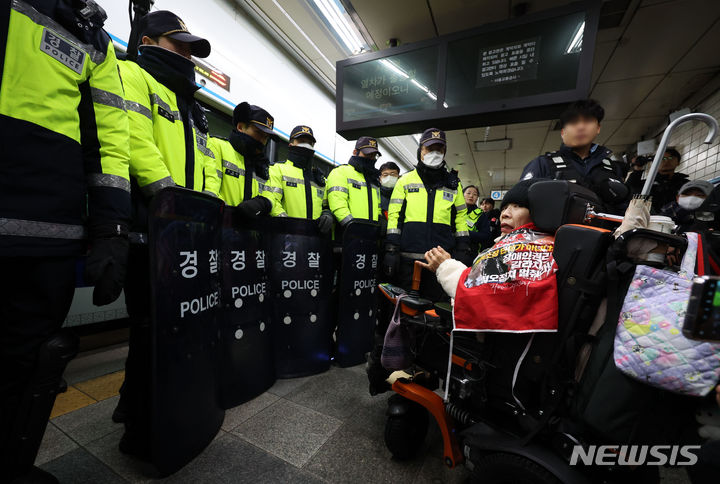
(168, 147)
(64, 163)
(297, 185)
(353, 190)
(478, 226)
(241, 162)
(427, 209)
(580, 159)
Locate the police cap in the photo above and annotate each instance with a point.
(432, 136)
(257, 116)
(302, 130)
(166, 23)
(367, 145)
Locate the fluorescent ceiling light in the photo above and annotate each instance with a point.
(493, 145)
(391, 65)
(575, 44)
(338, 19)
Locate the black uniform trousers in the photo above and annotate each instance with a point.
(35, 297)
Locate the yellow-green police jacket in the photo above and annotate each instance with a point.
(294, 193)
(158, 158)
(420, 218)
(63, 133)
(348, 198)
(230, 167)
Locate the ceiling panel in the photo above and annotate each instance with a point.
(620, 98)
(704, 53)
(406, 20)
(672, 91)
(651, 44)
(633, 129)
(607, 129)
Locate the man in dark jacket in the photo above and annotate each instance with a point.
(667, 183)
(580, 159)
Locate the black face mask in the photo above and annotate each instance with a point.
(366, 166)
(248, 146)
(301, 157)
(170, 69)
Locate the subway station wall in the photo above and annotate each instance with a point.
(261, 73)
(699, 161)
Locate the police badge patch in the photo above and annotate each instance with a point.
(62, 50)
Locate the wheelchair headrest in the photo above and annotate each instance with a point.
(558, 202)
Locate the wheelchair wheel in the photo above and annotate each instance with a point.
(405, 434)
(502, 468)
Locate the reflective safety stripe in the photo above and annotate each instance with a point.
(262, 184)
(156, 186)
(282, 214)
(397, 200)
(95, 55)
(274, 189)
(338, 189)
(155, 99)
(219, 173)
(205, 151)
(107, 98)
(413, 255)
(290, 179)
(233, 167)
(33, 228)
(356, 182)
(394, 231)
(107, 180)
(559, 162)
(138, 108)
(346, 220)
(461, 207)
(462, 233)
(414, 185)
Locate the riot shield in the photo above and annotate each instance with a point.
(184, 243)
(300, 285)
(246, 362)
(356, 293)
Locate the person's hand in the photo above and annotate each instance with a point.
(106, 261)
(325, 221)
(434, 258)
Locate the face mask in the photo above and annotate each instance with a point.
(307, 146)
(433, 159)
(389, 181)
(690, 202)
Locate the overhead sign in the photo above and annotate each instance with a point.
(520, 70)
(498, 194)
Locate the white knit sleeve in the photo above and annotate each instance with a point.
(448, 275)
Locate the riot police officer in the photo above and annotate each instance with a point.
(168, 147)
(241, 162)
(64, 162)
(353, 190)
(580, 159)
(478, 225)
(298, 186)
(426, 209)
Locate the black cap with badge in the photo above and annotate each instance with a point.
(261, 119)
(302, 130)
(432, 136)
(165, 23)
(367, 145)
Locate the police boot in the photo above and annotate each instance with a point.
(35, 406)
(377, 375)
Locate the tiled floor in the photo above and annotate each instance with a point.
(324, 428)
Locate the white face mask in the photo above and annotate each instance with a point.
(305, 145)
(690, 202)
(389, 181)
(433, 159)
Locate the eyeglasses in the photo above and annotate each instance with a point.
(668, 158)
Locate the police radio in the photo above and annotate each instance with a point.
(136, 10)
(702, 319)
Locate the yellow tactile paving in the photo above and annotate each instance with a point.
(103, 387)
(69, 401)
(88, 392)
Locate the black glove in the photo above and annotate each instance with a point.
(255, 207)
(107, 261)
(391, 260)
(325, 221)
(463, 253)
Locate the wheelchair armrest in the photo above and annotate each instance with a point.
(662, 238)
(417, 303)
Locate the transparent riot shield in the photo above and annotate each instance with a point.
(247, 367)
(356, 293)
(300, 274)
(184, 244)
